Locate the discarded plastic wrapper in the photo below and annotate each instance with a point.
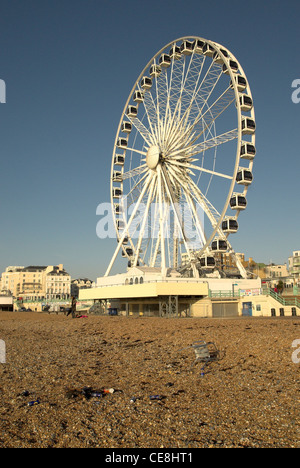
(156, 397)
(33, 403)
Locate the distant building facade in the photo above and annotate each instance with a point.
(294, 267)
(36, 282)
(80, 283)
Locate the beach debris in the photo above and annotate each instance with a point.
(88, 392)
(33, 403)
(157, 397)
(178, 392)
(205, 352)
(169, 384)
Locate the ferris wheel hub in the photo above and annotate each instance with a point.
(152, 157)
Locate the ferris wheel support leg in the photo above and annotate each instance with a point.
(144, 222)
(175, 208)
(240, 267)
(161, 223)
(238, 262)
(126, 229)
(197, 221)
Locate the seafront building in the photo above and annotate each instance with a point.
(151, 293)
(36, 283)
(294, 267)
(80, 283)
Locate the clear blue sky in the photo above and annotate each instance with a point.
(69, 66)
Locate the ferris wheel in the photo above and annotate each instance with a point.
(182, 159)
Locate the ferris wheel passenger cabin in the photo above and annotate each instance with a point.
(208, 50)
(119, 160)
(125, 241)
(117, 192)
(126, 127)
(117, 208)
(248, 126)
(122, 143)
(120, 224)
(117, 176)
(244, 176)
(240, 81)
(186, 48)
(232, 65)
(155, 70)
(207, 262)
(219, 245)
(246, 102)
(146, 82)
(230, 225)
(198, 46)
(132, 111)
(165, 60)
(127, 252)
(138, 97)
(217, 57)
(248, 151)
(175, 52)
(238, 202)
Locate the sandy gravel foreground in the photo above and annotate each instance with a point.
(249, 398)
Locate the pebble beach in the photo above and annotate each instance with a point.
(132, 382)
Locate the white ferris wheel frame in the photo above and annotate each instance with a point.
(148, 179)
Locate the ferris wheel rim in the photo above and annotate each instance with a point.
(217, 48)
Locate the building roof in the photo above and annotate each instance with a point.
(58, 273)
(34, 268)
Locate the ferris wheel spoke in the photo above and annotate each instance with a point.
(193, 211)
(134, 172)
(143, 153)
(150, 110)
(145, 218)
(172, 197)
(213, 142)
(155, 233)
(187, 95)
(209, 82)
(181, 85)
(193, 150)
(161, 220)
(175, 89)
(203, 91)
(213, 112)
(134, 187)
(206, 119)
(211, 212)
(126, 229)
(202, 169)
(197, 94)
(142, 130)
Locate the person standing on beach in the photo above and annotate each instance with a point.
(73, 308)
